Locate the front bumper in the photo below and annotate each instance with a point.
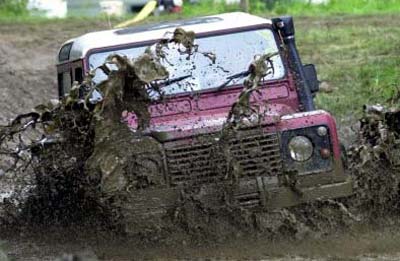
(262, 193)
(287, 197)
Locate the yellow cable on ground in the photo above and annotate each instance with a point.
(143, 14)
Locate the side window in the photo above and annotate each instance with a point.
(66, 82)
(66, 77)
(78, 74)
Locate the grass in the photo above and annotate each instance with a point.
(358, 57)
(14, 9)
(334, 7)
(300, 7)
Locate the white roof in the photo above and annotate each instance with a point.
(81, 45)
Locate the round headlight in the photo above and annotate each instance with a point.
(300, 148)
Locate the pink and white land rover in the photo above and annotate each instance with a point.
(290, 157)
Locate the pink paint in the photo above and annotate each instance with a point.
(312, 119)
(186, 112)
(186, 115)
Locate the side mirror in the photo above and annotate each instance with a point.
(311, 77)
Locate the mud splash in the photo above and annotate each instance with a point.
(84, 159)
(79, 156)
(76, 148)
(88, 159)
(374, 162)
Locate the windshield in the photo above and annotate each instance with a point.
(234, 53)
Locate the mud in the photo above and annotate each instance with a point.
(196, 223)
(258, 69)
(374, 161)
(83, 157)
(27, 57)
(192, 223)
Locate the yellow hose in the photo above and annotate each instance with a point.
(143, 14)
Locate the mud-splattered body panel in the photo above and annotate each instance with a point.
(253, 164)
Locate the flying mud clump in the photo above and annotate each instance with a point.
(374, 162)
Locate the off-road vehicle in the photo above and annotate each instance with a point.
(290, 155)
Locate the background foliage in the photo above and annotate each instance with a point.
(300, 7)
(336, 7)
(13, 7)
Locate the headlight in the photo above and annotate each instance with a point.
(300, 148)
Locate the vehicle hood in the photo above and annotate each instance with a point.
(192, 124)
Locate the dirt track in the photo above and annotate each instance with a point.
(28, 77)
(361, 244)
(27, 62)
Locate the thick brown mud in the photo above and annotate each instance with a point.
(361, 243)
(324, 229)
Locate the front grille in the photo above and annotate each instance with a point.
(204, 161)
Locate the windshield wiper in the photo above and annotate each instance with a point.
(233, 77)
(171, 81)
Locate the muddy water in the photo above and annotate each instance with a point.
(361, 243)
(320, 231)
